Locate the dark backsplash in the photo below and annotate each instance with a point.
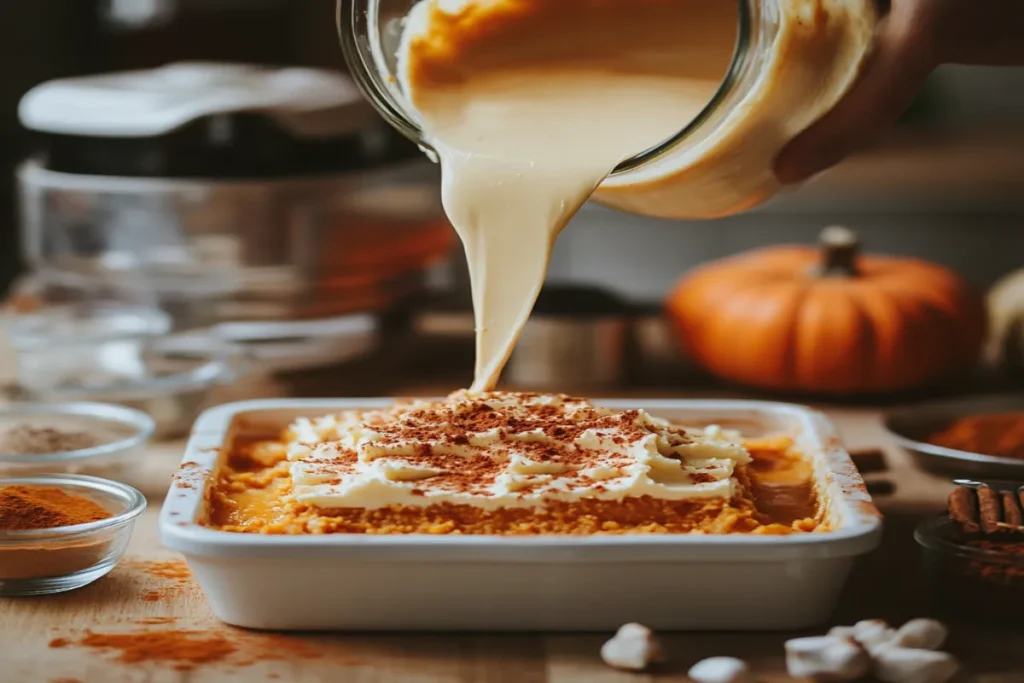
(45, 39)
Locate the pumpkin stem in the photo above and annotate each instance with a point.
(839, 250)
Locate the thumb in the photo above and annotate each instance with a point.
(895, 72)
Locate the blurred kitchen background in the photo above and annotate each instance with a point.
(342, 230)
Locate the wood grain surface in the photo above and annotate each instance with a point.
(886, 584)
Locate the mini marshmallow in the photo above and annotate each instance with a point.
(826, 658)
(633, 648)
(922, 634)
(873, 633)
(721, 670)
(895, 664)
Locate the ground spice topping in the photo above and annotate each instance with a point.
(25, 508)
(29, 440)
(499, 450)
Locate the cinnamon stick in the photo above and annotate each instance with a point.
(963, 508)
(989, 509)
(1012, 512)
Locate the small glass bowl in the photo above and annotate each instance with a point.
(127, 432)
(176, 376)
(971, 583)
(44, 561)
(80, 342)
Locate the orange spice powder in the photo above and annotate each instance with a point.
(175, 578)
(185, 649)
(996, 434)
(41, 507)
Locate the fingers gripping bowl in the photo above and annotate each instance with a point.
(356, 578)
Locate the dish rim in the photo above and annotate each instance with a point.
(860, 529)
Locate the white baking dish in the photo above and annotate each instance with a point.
(420, 582)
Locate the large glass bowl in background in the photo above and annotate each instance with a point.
(121, 355)
(210, 251)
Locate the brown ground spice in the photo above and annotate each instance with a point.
(175, 578)
(184, 649)
(41, 507)
(29, 440)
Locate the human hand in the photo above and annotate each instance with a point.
(913, 39)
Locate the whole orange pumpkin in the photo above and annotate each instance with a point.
(828, 319)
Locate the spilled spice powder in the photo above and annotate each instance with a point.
(175, 569)
(175, 578)
(184, 649)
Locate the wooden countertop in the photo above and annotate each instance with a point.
(885, 584)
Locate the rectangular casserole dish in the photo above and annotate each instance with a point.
(439, 583)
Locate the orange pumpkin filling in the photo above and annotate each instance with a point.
(251, 494)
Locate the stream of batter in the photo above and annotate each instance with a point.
(531, 104)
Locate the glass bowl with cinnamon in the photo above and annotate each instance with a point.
(96, 439)
(974, 553)
(62, 532)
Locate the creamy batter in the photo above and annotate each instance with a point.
(531, 104)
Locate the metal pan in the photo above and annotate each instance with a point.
(911, 426)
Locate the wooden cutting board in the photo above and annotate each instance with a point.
(144, 596)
